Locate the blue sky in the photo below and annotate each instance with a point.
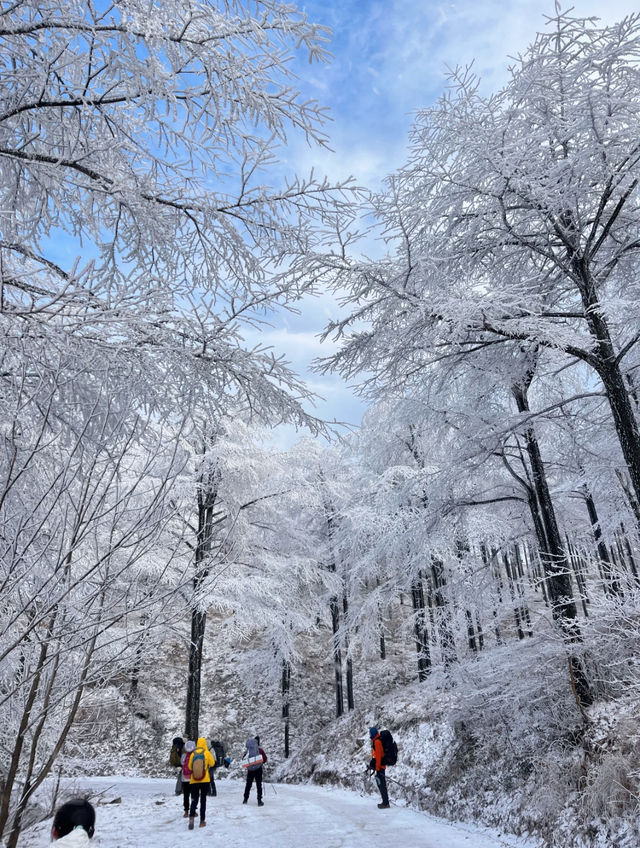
(390, 59)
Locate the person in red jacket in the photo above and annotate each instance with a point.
(377, 753)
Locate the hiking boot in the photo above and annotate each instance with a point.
(383, 806)
(261, 803)
(203, 824)
(244, 800)
(186, 814)
(191, 820)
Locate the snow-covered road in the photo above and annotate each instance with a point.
(150, 816)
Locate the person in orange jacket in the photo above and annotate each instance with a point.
(200, 786)
(377, 753)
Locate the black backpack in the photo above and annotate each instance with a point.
(176, 751)
(390, 757)
(218, 751)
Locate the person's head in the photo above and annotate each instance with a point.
(257, 739)
(373, 732)
(189, 746)
(76, 813)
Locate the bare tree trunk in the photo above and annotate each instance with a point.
(443, 616)
(420, 628)
(512, 594)
(286, 689)
(383, 644)
(554, 558)
(192, 713)
(497, 577)
(606, 361)
(330, 520)
(611, 584)
(525, 616)
(337, 656)
(207, 499)
(574, 557)
(349, 662)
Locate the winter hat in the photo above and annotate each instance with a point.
(373, 732)
(190, 746)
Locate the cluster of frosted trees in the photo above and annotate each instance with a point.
(494, 486)
(137, 237)
(506, 314)
(492, 496)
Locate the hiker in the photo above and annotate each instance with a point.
(189, 748)
(254, 770)
(377, 753)
(175, 760)
(200, 761)
(74, 823)
(218, 752)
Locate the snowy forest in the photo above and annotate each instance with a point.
(464, 566)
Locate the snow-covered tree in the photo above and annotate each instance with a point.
(516, 221)
(138, 234)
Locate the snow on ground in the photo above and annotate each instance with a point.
(150, 816)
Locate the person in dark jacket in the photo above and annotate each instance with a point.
(217, 748)
(74, 823)
(377, 753)
(254, 770)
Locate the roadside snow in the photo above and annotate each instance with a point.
(150, 816)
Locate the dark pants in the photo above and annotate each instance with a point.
(212, 785)
(186, 794)
(199, 791)
(381, 780)
(251, 776)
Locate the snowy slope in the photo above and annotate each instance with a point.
(150, 816)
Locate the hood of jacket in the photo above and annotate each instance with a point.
(78, 838)
(252, 747)
(202, 743)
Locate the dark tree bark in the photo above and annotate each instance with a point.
(330, 520)
(533, 567)
(286, 689)
(630, 557)
(493, 565)
(420, 628)
(611, 584)
(578, 570)
(207, 499)
(349, 662)
(553, 556)
(479, 631)
(442, 613)
(512, 594)
(525, 615)
(471, 632)
(134, 680)
(337, 656)
(192, 712)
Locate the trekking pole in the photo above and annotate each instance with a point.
(367, 778)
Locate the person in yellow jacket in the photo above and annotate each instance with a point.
(200, 761)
